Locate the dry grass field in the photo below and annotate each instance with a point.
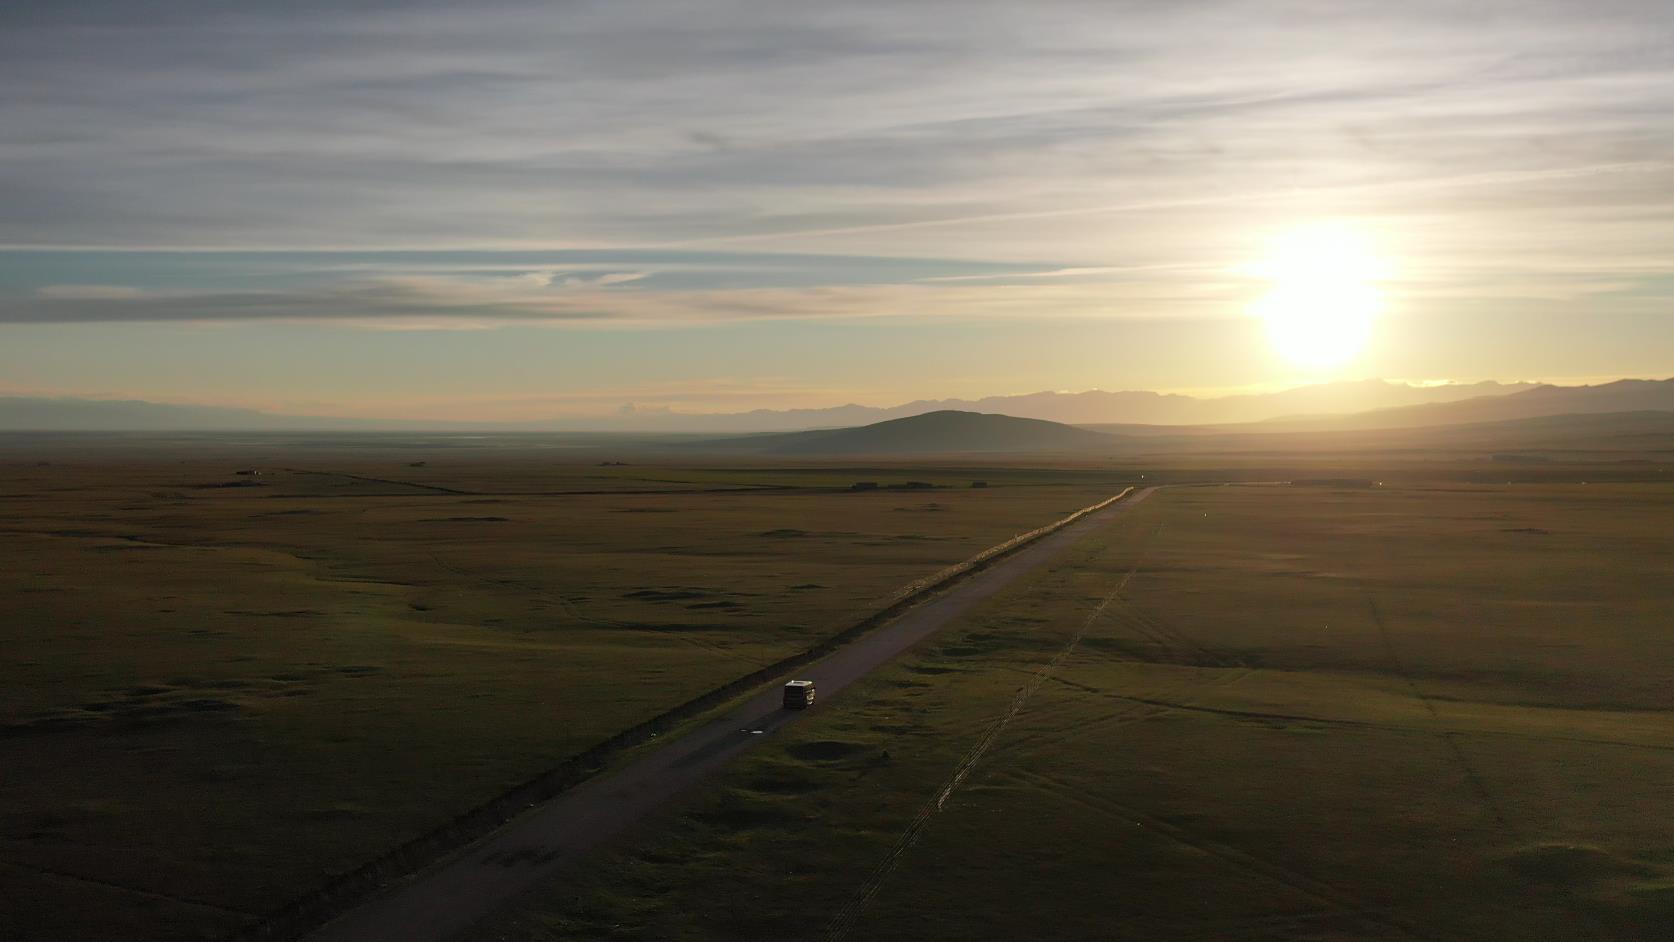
(1416, 711)
(221, 688)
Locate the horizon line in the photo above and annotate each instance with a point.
(652, 411)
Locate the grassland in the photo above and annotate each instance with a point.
(221, 688)
(1415, 711)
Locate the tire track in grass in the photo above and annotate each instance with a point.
(1169, 706)
(1340, 901)
(183, 901)
(1472, 776)
(843, 921)
(1166, 649)
(1178, 649)
(1134, 709)
(1204, 655)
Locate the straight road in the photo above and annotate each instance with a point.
(445, 901)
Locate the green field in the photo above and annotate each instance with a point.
(1403, 712)
(221, 689)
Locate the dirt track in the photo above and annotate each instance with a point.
(449, 898)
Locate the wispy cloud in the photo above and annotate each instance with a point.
(428, 302)
(1099, 272)
(432, 303)
(1041, 129)
(89, 292)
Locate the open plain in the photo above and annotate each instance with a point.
(223, 688)
(1413, 694)
(1424, 711)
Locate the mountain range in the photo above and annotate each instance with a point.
(1370, 404)
(1083, 408)
(1627, 395)
(973, 434)
(1092, 407)
(27, 413)
(1632, 414)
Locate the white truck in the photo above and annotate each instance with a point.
(799, 695)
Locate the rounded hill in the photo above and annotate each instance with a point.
(943, 432)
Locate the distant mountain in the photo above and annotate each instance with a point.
(941, 432)
(1366, 404)
(1622, 396)
(1611, 434)
(18, 413)
(31, 414)
(1651, 432)
(952, 432)
(1084, 408)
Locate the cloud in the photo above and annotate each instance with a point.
(404, 292)
(1082, 159)
(1098, 272)
(548, 277)
(432, 301)
(89, 292)
(1007, 131)
(609, 278)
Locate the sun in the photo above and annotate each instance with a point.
(1322, 298)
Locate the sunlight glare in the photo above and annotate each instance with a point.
(1323, 296)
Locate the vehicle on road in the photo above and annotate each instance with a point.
(799, 695)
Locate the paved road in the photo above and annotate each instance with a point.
(445, 901)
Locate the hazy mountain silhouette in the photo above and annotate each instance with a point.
(1646, 432)
(1084, 408)
(951, 432)
(1366, 405)
(943, 432)
(1622, 396)
(19, 413)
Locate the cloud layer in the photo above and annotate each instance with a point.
(429, 165)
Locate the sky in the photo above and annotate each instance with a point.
(528, 210)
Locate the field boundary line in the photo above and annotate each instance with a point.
(343, 891)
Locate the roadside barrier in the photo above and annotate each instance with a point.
(342, 891)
